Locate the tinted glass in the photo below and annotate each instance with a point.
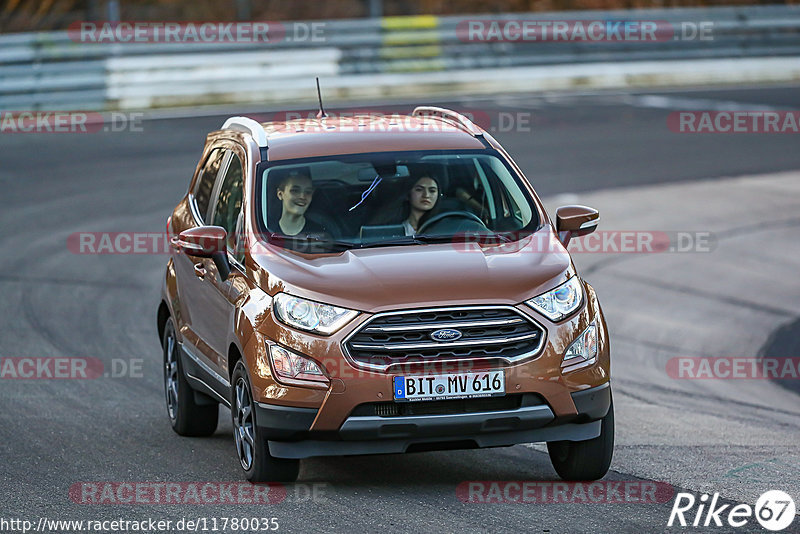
(205, 184)
(369, 199)
(229, 202)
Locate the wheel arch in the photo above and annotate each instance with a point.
(234, 355)
(161, 319)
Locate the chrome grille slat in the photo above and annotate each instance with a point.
(389, 339)
(443, 344)
(436, 326)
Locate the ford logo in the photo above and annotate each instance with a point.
(446, 334)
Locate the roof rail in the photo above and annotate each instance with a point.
(247, 125)
(444, 113)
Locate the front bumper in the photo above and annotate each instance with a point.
(288, 430)
(331, 414)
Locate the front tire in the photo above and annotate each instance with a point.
(187, 417)
(251, 449)
(585, 460)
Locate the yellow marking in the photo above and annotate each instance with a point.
(411, 37)
(415, 22)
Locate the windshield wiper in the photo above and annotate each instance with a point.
(311, 240)
(421, 239)
(418, 239)
(489, 238)
(470, 237)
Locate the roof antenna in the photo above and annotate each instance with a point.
(321, 113)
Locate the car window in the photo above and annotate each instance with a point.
(512, 203)
(366, 199)
(229, 203)
(205, 183)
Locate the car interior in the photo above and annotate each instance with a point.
(365, 200)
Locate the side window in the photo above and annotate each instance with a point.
(205, 183)
(229, 204)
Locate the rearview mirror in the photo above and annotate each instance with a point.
(575, 221)
(207, 242)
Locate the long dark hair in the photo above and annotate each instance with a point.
(399, 211)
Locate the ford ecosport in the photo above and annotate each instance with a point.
(379, 284)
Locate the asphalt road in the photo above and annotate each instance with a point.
(56, 433)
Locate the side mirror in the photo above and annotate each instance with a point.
(575, 221)
(207, 242)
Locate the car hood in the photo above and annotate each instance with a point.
(382, 278)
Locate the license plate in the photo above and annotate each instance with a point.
(454, 386)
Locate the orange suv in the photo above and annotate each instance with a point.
(370, 285)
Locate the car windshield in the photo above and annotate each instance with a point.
(392, 198)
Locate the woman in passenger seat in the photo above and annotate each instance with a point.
(295, 192)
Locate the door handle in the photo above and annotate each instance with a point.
(199, 270)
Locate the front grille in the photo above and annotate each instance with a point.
(399, 338)
(447, 407)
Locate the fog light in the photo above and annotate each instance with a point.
(584, 346)
(288, 364)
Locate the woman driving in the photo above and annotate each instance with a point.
(422, 200)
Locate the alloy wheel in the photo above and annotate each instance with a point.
(243, 427)
(171, 376)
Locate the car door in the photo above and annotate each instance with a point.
(192, 288)
(216, 322)
(229, 214)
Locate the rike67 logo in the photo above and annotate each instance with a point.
(774, 510)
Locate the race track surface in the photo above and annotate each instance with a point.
(612, 150)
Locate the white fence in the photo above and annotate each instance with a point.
(373, 57)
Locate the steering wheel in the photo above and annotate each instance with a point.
(450, 214)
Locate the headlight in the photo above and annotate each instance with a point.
(561, 301)
(309, 315)
(584, 346)
(288, 364)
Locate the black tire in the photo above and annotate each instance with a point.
(585, 460)
(251, 449)
(187, 417)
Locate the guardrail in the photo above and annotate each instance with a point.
(57, 71)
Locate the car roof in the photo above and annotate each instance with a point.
(330, 136)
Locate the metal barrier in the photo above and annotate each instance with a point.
(52, 71)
